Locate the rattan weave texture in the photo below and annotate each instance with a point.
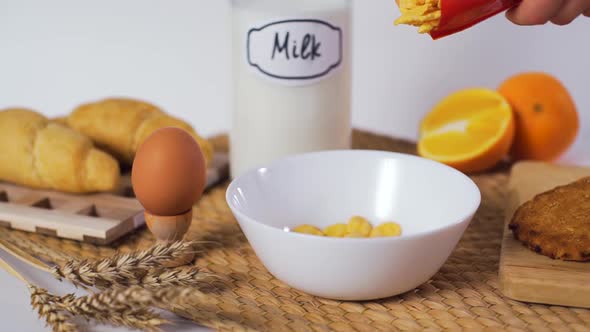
(463, 295)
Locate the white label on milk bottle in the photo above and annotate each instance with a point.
(295, 51)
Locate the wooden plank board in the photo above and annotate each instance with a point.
(96, 218)
(531, 277)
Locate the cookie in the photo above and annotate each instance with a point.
(556, 223)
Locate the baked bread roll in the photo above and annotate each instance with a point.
(120, 125)
(41, 154)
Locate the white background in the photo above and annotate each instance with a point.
(57, 54)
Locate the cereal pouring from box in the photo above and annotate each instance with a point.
(441, 18)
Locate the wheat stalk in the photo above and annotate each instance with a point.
(122, 270)
(139, 296)
(102, 311)
(134, 281)
(58, 321)
(126, 307)
(49, 311)
(111, 307)
(179, 277)
(129, 307)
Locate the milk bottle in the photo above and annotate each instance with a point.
(291, 74)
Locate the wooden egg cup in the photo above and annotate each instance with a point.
(168, 229)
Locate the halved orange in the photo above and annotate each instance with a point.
(470, 130)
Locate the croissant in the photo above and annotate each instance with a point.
(120, 125)
(41, 154)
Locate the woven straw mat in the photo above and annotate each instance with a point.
(462, 295)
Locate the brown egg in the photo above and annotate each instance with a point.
(169, 172)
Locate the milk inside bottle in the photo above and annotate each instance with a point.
(291, 79)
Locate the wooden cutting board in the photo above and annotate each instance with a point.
(526, 275)
(95, 218)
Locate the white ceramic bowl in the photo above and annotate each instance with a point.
(432, 202)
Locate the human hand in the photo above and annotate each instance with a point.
(560, 12)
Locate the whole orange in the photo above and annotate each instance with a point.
(546, 119)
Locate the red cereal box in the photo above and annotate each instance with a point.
(441, 18)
